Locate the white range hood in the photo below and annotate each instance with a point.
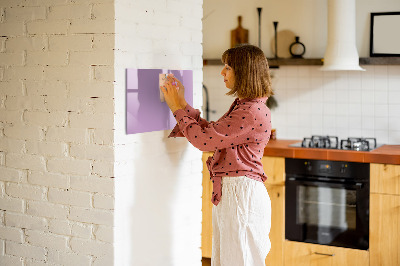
(341, 51)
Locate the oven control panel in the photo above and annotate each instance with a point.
(338, 169)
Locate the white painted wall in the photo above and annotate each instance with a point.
(56, 132)
(305, 18)
(158, 180)
(344, 103)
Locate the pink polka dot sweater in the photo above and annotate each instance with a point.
(238, 139)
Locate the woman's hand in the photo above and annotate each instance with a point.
(181, 91)
(172, 94)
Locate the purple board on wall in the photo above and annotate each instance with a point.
(144, 110)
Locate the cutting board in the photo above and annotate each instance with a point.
(239, 35)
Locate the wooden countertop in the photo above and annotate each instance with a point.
(389, 154)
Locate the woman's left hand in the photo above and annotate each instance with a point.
(171, 95)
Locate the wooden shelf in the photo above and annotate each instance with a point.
(380, 61)
(274, 63)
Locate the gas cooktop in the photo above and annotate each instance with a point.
(332, 142)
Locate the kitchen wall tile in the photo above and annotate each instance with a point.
(317, 120)
(304, 109)
(342, 109)
(293, 120)
(342, 80)
(394, 123)
(328, 99)
(381, 122)
(367, 110)
(316, 82)
(291, 71)
(355, 132)
(381, 97)
(315, 72)
(278, 83)
(355, 96)
(304, 72)
(329, 93)
(342, 122)
(354, 83)
(368, 123)
(355, 109)
(380, 71)
(381, 136)
(394, 83)
(367, 96)
(369, 70)
(355, 122)
(367, 133)
(394, 137)
(329, 122)
(355, 76)
(317, 107)
(292, 82)
(278, 71)
(329, 109)
(342, 96)
(317, 131)
(367, 82)
(394, 110)
(304, 82)
(328, 74)
(342, 133)
(382, 110)
(394, 97)
(393, 71)
(380, 84)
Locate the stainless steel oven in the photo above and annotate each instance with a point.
(327, 202)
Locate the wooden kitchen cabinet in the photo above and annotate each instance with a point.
(384, 236)
(277, 233)
(305, 254)
(385, 178)
(206, 225)
(274, 168)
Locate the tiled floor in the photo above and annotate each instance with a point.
(206, 261)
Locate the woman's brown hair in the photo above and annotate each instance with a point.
(250, 66)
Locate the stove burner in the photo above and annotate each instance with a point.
(332, 142)
(328, 142)
(358, 144)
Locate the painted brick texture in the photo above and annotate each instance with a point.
(56, 132)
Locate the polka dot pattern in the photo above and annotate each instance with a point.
(238, 139)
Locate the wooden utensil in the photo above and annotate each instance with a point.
(239, 35)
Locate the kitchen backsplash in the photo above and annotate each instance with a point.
(314, 102)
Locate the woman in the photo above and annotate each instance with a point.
(242, 208)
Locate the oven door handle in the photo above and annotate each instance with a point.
(357, 185)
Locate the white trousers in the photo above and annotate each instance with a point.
(241, 223)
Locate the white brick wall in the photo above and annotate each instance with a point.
(56, 132)
(62, 138)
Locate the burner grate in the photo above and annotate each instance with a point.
(358, 144)
(327, 142)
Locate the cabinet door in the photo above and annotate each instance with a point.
(385, 178)
(384, 229)
(304, 254)
(206, 226)
(277, 233)
(274, 168)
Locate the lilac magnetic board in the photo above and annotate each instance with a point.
(144, 110)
